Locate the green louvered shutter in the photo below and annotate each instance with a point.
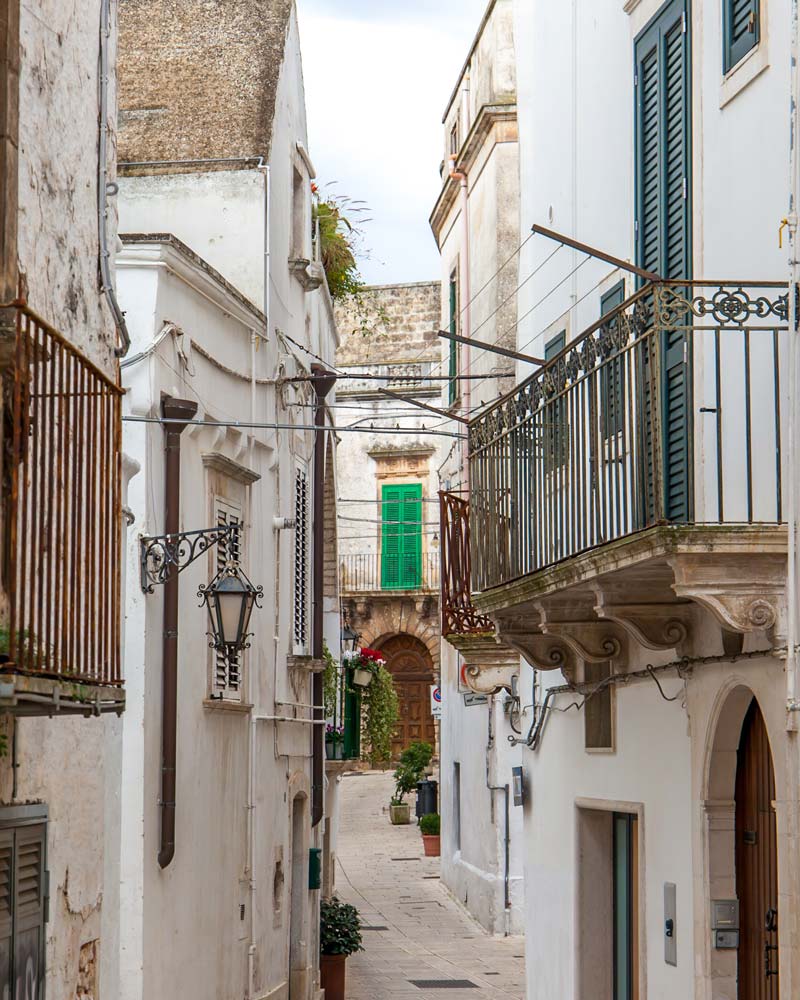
(663, 114)
(741, 30)
(401, 537)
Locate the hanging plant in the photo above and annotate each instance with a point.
(330, 682)
(364, 663)
(380, 711)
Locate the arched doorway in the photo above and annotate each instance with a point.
(411, 666)
(740, 797)
(756, 861)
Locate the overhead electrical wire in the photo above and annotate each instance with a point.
(249, 424)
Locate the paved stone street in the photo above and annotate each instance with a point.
(420, 932)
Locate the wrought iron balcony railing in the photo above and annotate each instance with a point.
(62, 513)
(669, 410)
(459, 614)
(368, 572)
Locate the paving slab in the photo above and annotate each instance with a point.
(382, 871)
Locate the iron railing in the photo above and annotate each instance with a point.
(459, 614)
(668, 410)
(366, 572)
(62, 498)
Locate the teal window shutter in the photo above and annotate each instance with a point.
(612, 388)
(453, 359)
(741, 30)
(663, 222)
(401, 537)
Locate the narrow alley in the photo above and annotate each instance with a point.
(417, 940)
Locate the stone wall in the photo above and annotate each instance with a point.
(198, 78)
(391, 323)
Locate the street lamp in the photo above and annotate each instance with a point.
(230, 599)
(351, 637)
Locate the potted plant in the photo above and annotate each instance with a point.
(430, 828)
(339, 936)
(405, 781)
(365, 664)
(334, 742)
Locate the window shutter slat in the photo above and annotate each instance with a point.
(28, 869)
(301, 568)
(742, 30)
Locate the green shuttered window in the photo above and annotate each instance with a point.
(612, 387)
(401, 537)
(663, 230)
(741, 30)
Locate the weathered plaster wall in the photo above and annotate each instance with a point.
(58, 234)
(71, 764)
(199, 79)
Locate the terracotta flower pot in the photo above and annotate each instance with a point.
(432, 844)
(332, 976)
(400, 815)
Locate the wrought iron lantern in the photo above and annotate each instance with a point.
(350, 639)
(230, 599)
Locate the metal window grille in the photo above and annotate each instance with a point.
(63, 510)
(301, 570)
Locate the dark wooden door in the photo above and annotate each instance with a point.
(410, 664)
(756, 862)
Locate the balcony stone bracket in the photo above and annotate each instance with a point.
(542, 652)
(490, 665)
(745, 592)
(653, 625)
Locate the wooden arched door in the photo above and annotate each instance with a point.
(411, 666)
(756, 862)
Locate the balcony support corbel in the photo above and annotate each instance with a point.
(744, 593)
(542, 652)
(490, 666)
(655, 626)
(593, 641)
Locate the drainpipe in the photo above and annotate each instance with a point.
(323, 384)
(466, 324)
(184, 410)
(106, 189)
(490, 744)
(792, 596)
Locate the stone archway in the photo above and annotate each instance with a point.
(741, 838)
(411, 665)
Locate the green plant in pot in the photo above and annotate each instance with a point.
(334, 742)
(430, 828)
(405, 781)
(339, 936)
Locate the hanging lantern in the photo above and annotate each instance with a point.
(230, 599)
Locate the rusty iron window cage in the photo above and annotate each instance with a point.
(459, 615)
(62, 510)
(528, 513)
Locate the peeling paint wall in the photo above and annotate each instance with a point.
(58, 233)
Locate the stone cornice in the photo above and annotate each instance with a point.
(489, 116)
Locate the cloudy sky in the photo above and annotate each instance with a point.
(378, 74)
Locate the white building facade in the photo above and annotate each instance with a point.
(484, 686)
(228, 315)
(632, 545)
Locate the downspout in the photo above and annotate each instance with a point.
(180, 410)
(507, 820)
(252, 778)
(323, 384)
(466, 324)
(792, 596)
(106, 189)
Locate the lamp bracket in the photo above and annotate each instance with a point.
(163, 554)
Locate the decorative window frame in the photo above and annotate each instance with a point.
(751, 65)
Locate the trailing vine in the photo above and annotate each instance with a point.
(380, 710)
(330, 682)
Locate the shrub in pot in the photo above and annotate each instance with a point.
(339, 936)
(430, 828)
(405, 781)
